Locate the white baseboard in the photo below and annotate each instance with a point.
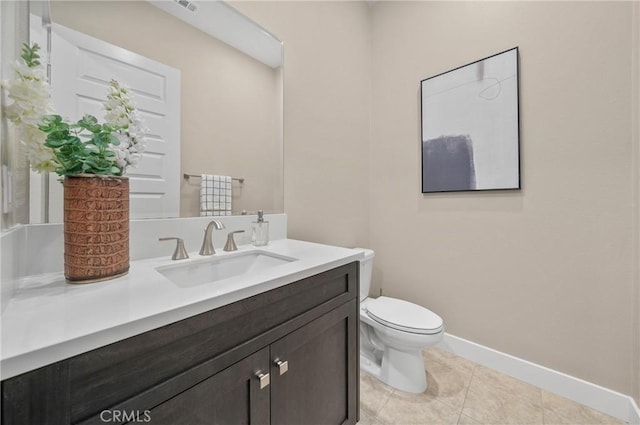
(607, 401)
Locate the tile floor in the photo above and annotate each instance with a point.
(465, 393)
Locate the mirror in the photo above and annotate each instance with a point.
(229, 104)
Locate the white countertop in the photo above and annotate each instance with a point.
(49, 320)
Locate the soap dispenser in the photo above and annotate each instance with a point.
(260, 231)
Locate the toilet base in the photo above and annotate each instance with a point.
(404, 370)
(369, 365)
(399, 369)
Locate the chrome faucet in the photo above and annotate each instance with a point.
(207, 243)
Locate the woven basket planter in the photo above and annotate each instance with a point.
(96, 227)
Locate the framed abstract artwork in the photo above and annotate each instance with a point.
(470, 126)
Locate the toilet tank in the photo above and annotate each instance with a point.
(366, 267)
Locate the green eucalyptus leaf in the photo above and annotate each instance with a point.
(88, 120)
(30, 54)
(90, 123)
(91, 148)
(49, 122)
(54, 143)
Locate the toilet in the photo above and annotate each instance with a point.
(393, 333)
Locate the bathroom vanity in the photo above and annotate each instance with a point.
(287, 354)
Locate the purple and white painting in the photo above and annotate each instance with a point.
(470, 129)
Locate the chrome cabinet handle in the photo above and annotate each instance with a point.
(263, 378)
(283, 366)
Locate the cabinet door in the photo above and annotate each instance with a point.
(318, 383)
(233, 396)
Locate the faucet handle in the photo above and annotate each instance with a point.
(180, 253)
(231, 243)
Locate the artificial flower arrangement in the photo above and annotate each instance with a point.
(69, 149)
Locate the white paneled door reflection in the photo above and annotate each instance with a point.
(81, 70)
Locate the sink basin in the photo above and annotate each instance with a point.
(215, 269)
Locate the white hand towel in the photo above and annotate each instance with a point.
(215, 195)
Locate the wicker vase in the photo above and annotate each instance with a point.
(96, 227)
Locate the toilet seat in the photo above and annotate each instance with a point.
(404, 316)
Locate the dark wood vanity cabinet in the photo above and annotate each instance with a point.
(286, 356)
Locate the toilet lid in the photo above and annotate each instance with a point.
(404, 316)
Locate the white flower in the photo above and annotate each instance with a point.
(121, 112)
(30, 95)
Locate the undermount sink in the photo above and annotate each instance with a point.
(215, 268)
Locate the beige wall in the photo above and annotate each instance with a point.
(545, 273)
(327, 70)
(230, 103)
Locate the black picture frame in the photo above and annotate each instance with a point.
(470, 126)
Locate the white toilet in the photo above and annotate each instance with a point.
(393, 333)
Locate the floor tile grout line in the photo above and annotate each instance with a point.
(544, 420)
(377, 414)
(466, 393)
